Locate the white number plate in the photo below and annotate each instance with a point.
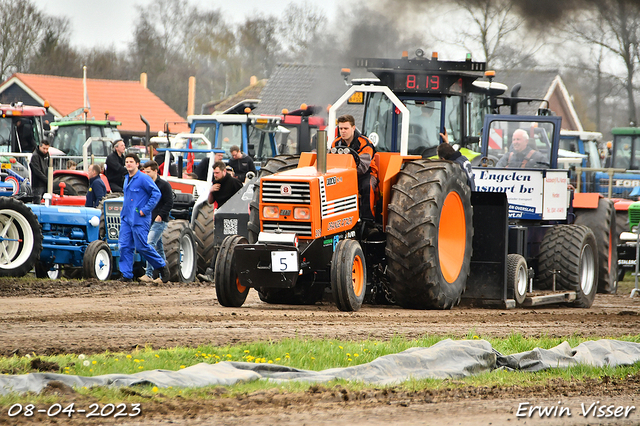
(284, 261)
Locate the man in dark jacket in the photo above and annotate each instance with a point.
(202, 169)
(224, 185)
(114, 167)
(39, 166)
(241, 163)
(363, 153)
(159, 216)
(97, 189)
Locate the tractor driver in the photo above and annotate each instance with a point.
(363, 152)
(521, 155)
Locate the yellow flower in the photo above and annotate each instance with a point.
(476, 337)
(141, 367)
(182, 366)
(136, 360)
(246, 351)
(228, 355)
(356, 355)
(128, 356)
(313, 358)
(155, 389)
(349, 360)
(277, 359)
(348, 354)
(91, 370)
(270, 362)
(94, 362)
(340, 347)
(117, 359)
(287, 357)
(157, 356)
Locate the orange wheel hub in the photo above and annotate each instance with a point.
(357, 276)
(452, 237)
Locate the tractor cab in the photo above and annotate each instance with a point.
(301, 127)
(438, 95)
(254, 134)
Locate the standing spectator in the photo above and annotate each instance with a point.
(140, 198)
(447, 152)
(39, 166)
(97, 189)
(114, 167)
(241, 163)
(72, 165)
(224, 185)
(160, 215)
(203, 167)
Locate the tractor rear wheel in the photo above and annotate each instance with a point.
(180, 250)
(429, 233)
(306, 292)
(278, 164)
(348, 276)
(97, 262)
(228, 288)
(203, 231)
(517, 277)
(20, 238)
(76, 185)
(602, 222)
(570, 252)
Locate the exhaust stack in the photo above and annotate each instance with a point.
(321, 156)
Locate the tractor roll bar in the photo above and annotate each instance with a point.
(404, 134)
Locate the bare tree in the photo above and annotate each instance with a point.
(258, 45)
(301, 30)
(498, 31)
(22, 27)
(615, 26)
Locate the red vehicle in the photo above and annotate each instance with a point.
(303, 125)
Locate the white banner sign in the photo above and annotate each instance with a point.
(523, 189)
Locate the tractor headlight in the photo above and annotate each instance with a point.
(301, 213)
(94, 221)
(271, 212)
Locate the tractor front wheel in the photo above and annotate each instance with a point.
(97, 261)
(348, 275)
(602, 222)
(180, 250)
(228, 288)
(517, 277)
(203, 231)
(570, 252)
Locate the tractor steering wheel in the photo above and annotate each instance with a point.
(347, 150)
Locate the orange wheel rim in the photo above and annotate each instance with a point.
(452, 237)
(239, 286)
(357, 276)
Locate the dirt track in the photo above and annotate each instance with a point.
(50, 317)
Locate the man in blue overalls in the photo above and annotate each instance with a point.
(140, 197)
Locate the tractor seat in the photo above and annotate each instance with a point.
(182, 205)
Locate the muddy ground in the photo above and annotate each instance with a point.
(50, 317)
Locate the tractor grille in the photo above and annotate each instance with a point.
(112, 219)
(634, 217)
(303, 229)
(286, 192)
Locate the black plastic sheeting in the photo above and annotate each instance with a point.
(446, 359)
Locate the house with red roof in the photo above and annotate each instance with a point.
(117, 100)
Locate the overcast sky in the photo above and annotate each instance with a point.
(111, 22)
